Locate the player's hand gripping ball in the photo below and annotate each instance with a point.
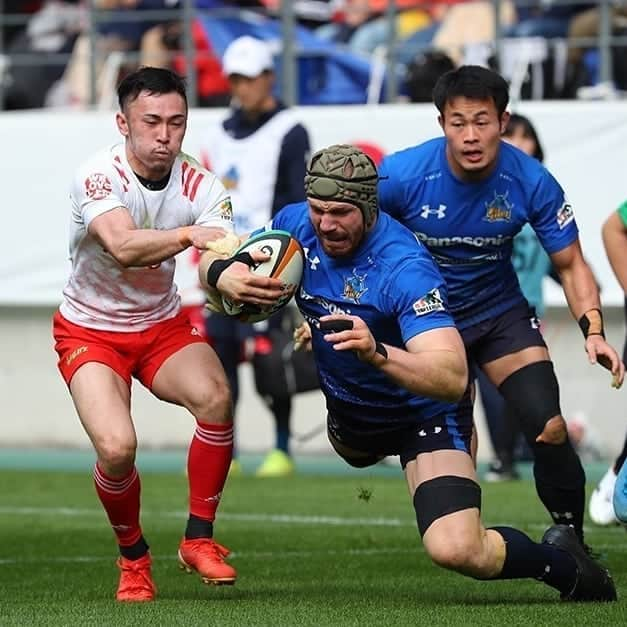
(285, 263)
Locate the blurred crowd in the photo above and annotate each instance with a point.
(548, 48)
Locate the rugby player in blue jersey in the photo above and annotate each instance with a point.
(394, 374)
(465, 196)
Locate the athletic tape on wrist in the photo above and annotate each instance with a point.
(592, 324)
(379, 348)
(218, 266)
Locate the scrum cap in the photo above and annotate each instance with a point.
(346, 174)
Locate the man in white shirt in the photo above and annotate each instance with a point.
(134, 207)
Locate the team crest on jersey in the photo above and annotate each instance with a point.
(565, 215)
(431, 301)
(355, 286)
(499, 209)
(98, 186)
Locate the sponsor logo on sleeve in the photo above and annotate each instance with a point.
(98, 186)
(565, 215)
(431, 301)
(226, 209)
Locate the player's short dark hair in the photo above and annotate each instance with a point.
(154, 80)
(517, 121)
(473, 82)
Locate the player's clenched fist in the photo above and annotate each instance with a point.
(349, 333)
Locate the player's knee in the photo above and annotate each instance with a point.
(116, 455)
(533, 392)
(213, 405)
(461, 552)
(555, 431)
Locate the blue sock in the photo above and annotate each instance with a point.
(526, 558)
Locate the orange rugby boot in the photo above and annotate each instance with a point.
(206, 557)
(136, 582)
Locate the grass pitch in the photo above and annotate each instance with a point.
(313, 549)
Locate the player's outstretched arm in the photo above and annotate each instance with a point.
(433, 364)
(582, 295)
(132, 247)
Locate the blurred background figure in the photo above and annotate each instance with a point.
(53, 28)
(601, 506)
(532, 264)
(259, 152)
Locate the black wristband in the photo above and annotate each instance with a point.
(218, 266)
(585, 323)
(379, 348)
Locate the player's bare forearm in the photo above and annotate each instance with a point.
(578, 282)
(433, 365)
(133, 247)
(441, 374)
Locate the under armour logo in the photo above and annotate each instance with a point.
(427, 211)
(313, 263)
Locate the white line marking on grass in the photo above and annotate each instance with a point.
(288, 519)
(87, 559)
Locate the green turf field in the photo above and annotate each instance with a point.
(310, 550)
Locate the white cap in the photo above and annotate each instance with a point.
(247, 56)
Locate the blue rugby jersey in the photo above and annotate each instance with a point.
(469, 227)
(390, 282)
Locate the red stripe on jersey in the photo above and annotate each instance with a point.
(122, 174)
(199, 177)
(184, 167)
(188, 178)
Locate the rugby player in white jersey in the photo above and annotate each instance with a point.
(136, 205)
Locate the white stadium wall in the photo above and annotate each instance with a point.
(586, 147)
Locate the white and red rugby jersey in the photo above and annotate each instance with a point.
(100, 293)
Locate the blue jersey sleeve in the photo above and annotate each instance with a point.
(390, 192)
(417, 297)
(552, 216)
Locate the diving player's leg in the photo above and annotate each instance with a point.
(447, 501)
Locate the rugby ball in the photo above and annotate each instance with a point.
(286, 263)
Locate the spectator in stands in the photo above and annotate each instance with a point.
(455, 25)
(51, 30)
(586, 24)
(260, 153)
(113, 35)
(544, 18)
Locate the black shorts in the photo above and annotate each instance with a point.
(379, 435)
(512, 331)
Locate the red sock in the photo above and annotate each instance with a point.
(210, 454)
(120, 498)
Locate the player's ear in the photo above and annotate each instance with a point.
(504, 121)
(122, 123)
(441, 121)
